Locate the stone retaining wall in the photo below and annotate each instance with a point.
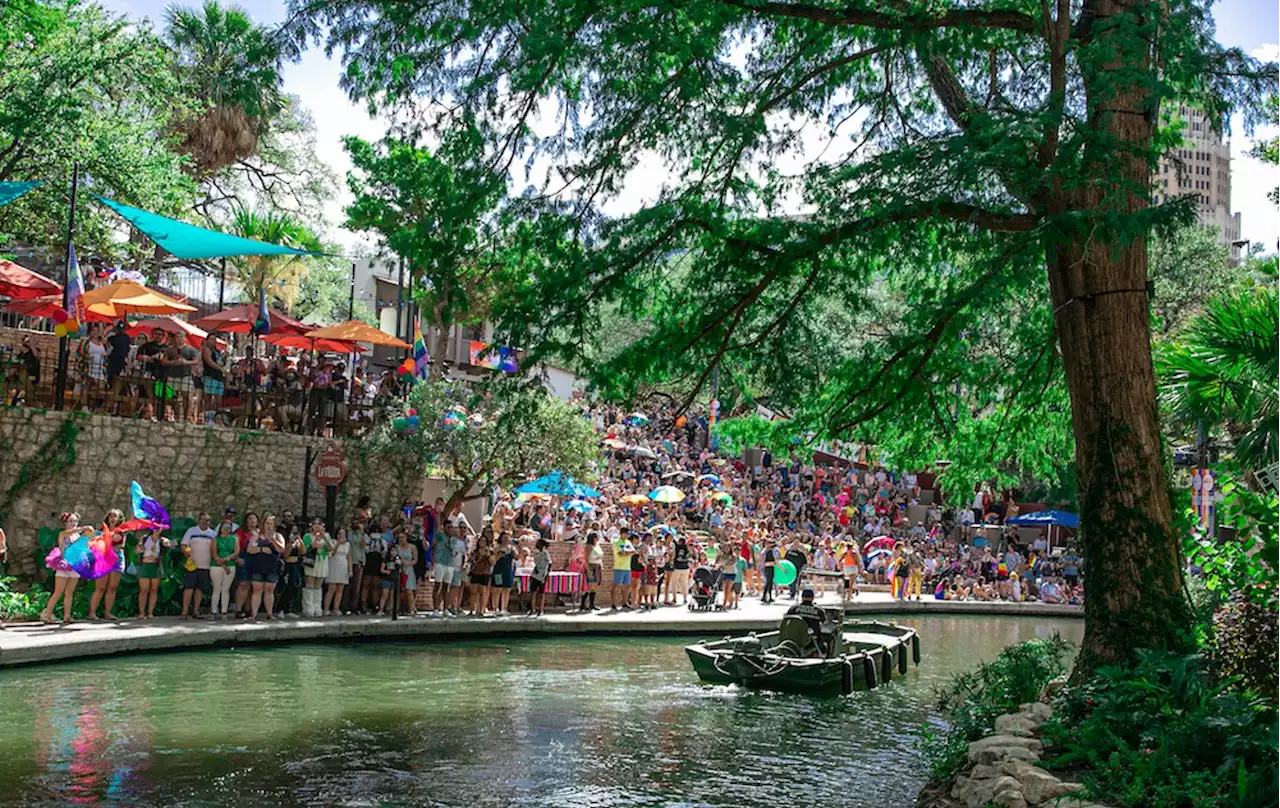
(187, 468)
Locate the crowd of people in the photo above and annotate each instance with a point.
(227, 380)
(838, 527)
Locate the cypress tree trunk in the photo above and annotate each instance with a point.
(1133, 580)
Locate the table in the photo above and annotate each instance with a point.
(558, 583)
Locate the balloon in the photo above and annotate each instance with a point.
(412, 421)
(398, 424)
(411, 412)
(59, 330)
(60, 316)
(163, 390)
(784, 573)
(73, 325)
(681, 421)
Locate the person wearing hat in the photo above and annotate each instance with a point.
(807, 609)
(118, 345)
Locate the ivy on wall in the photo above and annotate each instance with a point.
(50, 458)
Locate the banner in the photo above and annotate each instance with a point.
(499, 357)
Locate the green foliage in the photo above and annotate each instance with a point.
(436, 210)
(280, 275)
(18, 605)
(324, 296)
(80, 83)
(1222, 370)
(1245, 646)
(1189, 267)
(513, 429)
(1247, 563)
(1162, 732)
(973, 700)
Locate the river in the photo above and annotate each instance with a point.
(549, 722)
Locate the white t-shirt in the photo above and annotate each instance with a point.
(200, 540)
(977, 501)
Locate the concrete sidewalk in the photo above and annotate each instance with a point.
(32, 643)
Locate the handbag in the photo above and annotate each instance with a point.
(309, 560)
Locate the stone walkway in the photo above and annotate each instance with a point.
(31, 643)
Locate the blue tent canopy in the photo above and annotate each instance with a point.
(193, 243)
(10, 191)
(557, 484)
(1046, 518)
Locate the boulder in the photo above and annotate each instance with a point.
(1038, 710)
(997, 754)
(976, 793)
(1033, 744)
(1038, 785)
(1016, 724)
(1009, 798)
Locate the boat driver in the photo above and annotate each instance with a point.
(812, 614)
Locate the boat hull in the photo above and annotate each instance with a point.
(878, 653)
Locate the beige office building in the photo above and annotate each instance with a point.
(1202, 166)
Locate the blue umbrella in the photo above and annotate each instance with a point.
(555, 484)
(581, 506)
(585, 491)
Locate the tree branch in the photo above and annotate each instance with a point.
(953, 18)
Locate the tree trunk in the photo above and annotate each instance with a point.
(1133, 581)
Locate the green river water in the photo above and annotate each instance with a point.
(550, 722)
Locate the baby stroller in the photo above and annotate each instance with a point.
(706, 581)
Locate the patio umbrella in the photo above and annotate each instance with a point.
(117, 299)
(195, 336)
(579, 505)
(666, 494)
(585, 490)
(20, 283)
(304, 343)
(714, 479)
(555, 483)
(635, 499)
(723, 497)
(44, 306)
(357, 331)
(240, 320)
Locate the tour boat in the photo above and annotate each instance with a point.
(835, 658)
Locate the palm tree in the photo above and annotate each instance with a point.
(279, 275)
(233, 66)
(1223, 371)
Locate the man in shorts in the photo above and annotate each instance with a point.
(442, 572)
(623, 550)
(197, 546)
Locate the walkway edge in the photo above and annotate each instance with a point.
(20, 647)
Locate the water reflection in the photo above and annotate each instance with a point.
(590, 722)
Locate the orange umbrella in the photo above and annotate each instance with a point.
(20, 283)
(311, 344)
(195, 336)
(357, 331)
(128, 297)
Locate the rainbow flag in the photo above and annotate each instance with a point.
(421, 359)
(75, 289)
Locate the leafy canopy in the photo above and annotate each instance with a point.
(493, 434)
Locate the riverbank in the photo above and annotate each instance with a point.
(34, 643)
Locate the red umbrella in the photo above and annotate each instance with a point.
(312, 344)
(20, 283)
(195, 336)
(240, 320)
(44, 306)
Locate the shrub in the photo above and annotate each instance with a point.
(1164, 732)
(1245, 646)
(973, 700)
(19, 605)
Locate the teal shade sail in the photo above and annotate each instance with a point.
(194, 243)
(10, 191)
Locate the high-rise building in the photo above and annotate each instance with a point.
(1201, 166)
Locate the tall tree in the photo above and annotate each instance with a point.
(280, 276)
(1005, 149)
(78, 83)
(437, 210)
(233, 66)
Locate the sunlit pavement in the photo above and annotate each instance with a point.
(29, 643)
